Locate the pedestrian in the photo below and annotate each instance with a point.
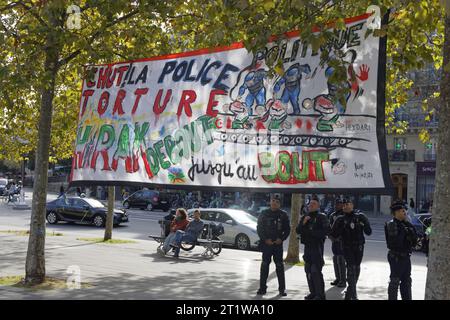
(400, 239)
(351, 228)
(61, 191)
(411, 203)
(337, 248)
(178, 223)
(427, 233)
(313, 229)
(273, 228)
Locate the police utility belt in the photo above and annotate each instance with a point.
(399, 254)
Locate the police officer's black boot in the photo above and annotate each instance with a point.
(319, 286)
(263, 278)
(357, 272)
(351, 279)
(405, 289)
(312, 291)
(341, 269)
(281, 279)
(336, 271)
(393, 288)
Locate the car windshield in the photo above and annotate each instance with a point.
(94, 203)
(244, 217)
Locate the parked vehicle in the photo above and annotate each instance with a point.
(417, 220)
(3, 184)
(148, 199)
(82, 210)
(239, 226)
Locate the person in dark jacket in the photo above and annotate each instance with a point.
(273, 228)
(400, 239)
(338, 249)
(411, 203)
(313, 229)
(351, 228)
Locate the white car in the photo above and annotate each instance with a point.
(239, 226)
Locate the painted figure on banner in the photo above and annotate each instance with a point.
(291, 81)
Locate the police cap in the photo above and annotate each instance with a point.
(275, 196)
(397, 205)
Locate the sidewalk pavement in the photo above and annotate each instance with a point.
(136, 271)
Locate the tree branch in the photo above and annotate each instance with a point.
(74, 54)
(9, 6)
(30, 10)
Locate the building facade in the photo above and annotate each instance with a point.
(412, 163)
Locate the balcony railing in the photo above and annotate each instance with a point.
(402, 155)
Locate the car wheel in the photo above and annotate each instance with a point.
(216, 247)
(242, 242)
(126, 205)
(99, 221)
(149, 207)
(52, 218)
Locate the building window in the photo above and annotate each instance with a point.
(430, 151)
(399, 143)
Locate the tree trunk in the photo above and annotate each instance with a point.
(35, 261)
(294, 248)
(438, 284)
(110, 215)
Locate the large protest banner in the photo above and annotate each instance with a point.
(217, 118)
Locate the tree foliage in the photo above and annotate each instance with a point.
(42, 59)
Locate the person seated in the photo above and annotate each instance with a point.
(11, 191)
(193, 230)
(179, 222)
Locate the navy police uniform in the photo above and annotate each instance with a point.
(338, 252)
(351, 228)
(272, 225)
(400, 239)
(313, 234)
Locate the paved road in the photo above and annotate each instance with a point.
(143, 222)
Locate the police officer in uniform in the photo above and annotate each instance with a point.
(313, 229)
(351, 228)
(400, 238)
(338, 249)
(273, 228)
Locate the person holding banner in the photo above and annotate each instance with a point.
(351, 227)
(313, 229)
(273, 228)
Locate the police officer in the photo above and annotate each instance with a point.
(313, 229)
(273, 228)
(400, 238)
(351, 228)
(337, 248)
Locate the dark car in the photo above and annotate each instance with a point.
(82, 210)
(148, 199)
(3, 184)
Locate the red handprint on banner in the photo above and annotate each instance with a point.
(363, 72)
